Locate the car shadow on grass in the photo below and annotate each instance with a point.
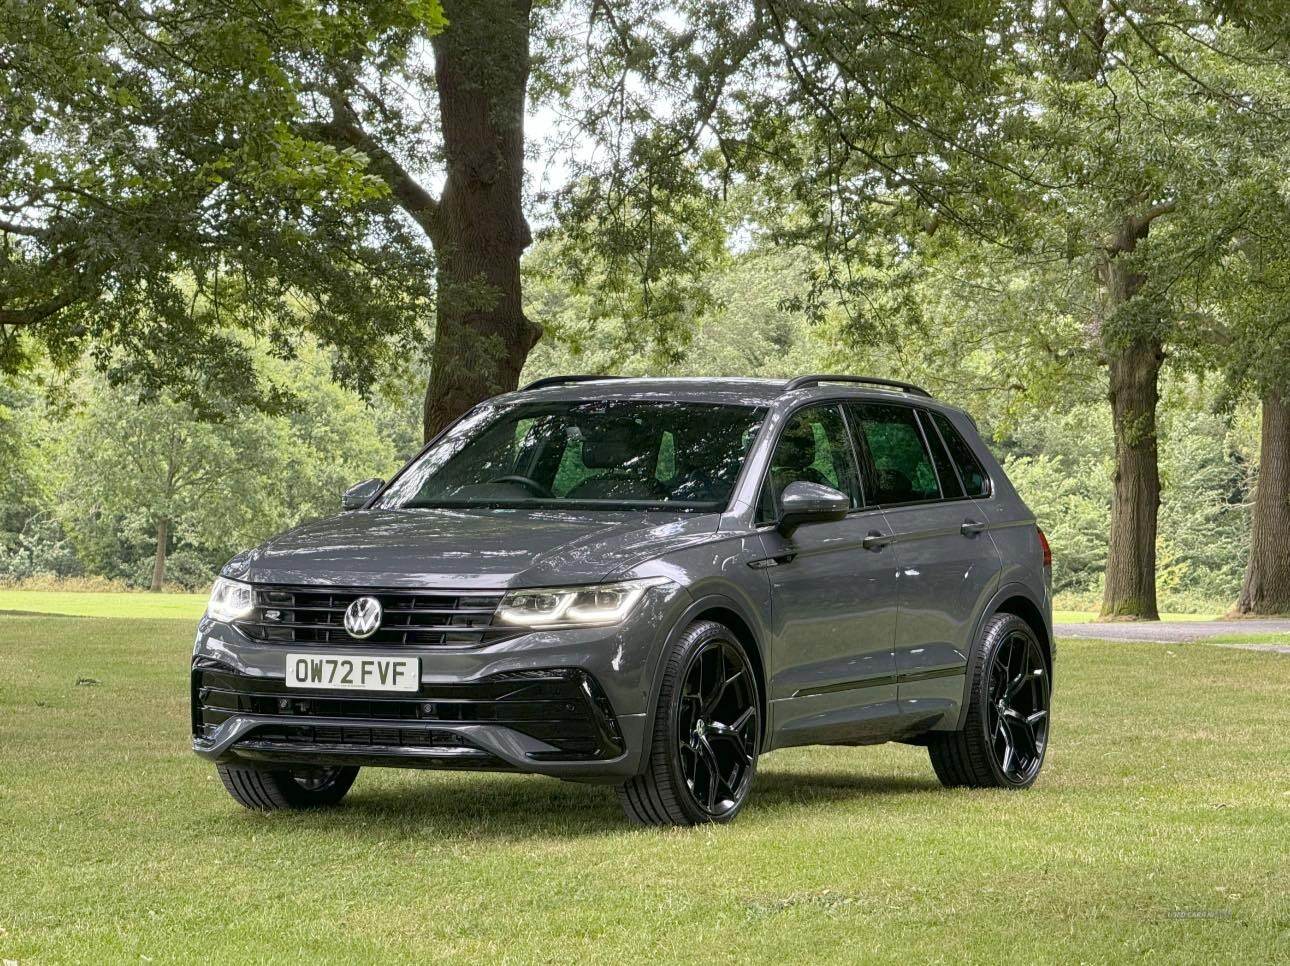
(516, 806)
(805, 787)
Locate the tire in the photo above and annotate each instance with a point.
(1013, 670)
(272, 791)
(708, 720)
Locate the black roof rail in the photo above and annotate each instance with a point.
(562, 380)
(802, 382)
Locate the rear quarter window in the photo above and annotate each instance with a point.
(975, 480)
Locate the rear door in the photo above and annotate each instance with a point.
(949, 565)
(833, 599)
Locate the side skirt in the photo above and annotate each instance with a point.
(893, 707)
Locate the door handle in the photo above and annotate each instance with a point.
(875, 540)
(971, 528)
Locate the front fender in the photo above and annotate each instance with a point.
(711, 606)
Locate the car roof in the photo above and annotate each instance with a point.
(724, 390)
(728, 390)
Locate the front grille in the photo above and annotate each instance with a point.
(315, 615)
(562, 707)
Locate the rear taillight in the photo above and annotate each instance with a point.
(1048, 551)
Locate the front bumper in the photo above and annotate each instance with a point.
(555, 721)
(571, 704)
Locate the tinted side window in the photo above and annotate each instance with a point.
(974, 479)
(950, 485)
(814, 448)
(901, 466)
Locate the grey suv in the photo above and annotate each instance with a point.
(646, 583)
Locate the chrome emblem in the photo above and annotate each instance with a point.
(363, 617)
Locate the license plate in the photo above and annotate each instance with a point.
(353, 672)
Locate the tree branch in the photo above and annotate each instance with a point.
(37, 313)
(1173, 62)
(344, 130)
(13, 228)
(1145, 219)
(1134, 228)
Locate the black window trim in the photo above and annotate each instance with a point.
(863, 465)
(930, 419)
(924, 418)
(856, 464)
(839, 403)
(931, 458)
(985, 473)
(869, 465)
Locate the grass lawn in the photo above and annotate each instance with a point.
(1157, 832)
(135, 606)
(1254, 638)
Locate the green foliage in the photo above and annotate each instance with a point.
(1143, 195)
(165, 183)
(40, 548)
(188, 569)
(19, 456)
(1243, 328)
(330, 441)
(111, 465)
(214, 205)
(1204, 513)
(125, 466)
(1071, 508)
(1061, 463)
(752, 325)
(814, 111)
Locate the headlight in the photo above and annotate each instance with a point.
(574, 606)
(230, 600)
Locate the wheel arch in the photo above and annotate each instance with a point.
(1016, 599)
(728, 617)
(728, 612)
(1025, 608)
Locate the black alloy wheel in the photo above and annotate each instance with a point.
(717, 727)
(1005, 734)
(1017, 708)
(707, 734)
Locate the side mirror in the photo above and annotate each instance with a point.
(803, 502)
(356, 496)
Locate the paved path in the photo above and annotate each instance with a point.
(1179, 632)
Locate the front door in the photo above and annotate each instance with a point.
(949, 565)
(833, 604)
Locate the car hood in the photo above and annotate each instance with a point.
(468, 549)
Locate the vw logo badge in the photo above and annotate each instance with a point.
(363, 617)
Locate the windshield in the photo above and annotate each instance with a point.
(603, 454)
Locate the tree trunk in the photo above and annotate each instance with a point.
(482, 336)
(1267, 576)
(1135, 503)
(159, 563)
(1134, 353)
